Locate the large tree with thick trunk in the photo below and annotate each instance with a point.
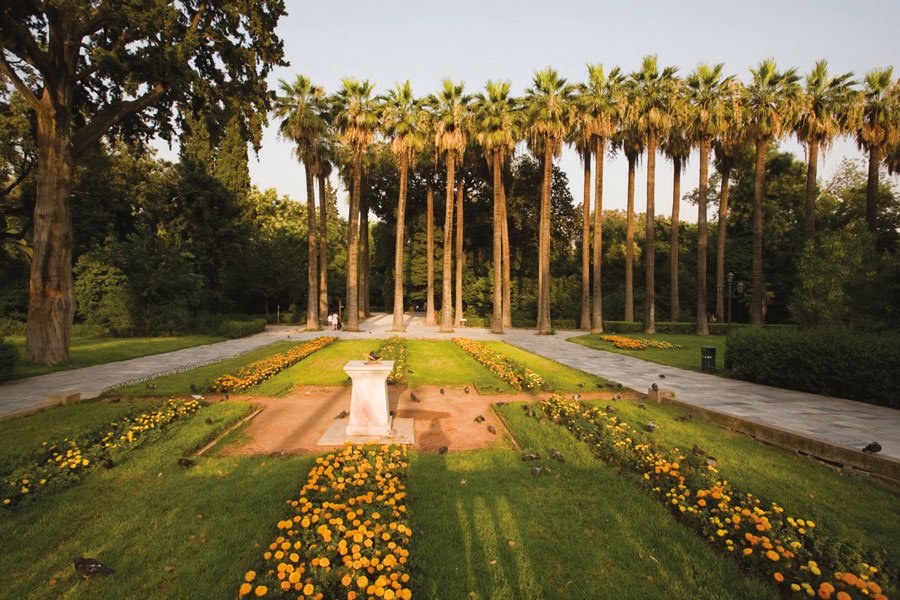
(88, 69)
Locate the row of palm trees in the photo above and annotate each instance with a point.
(648, 111)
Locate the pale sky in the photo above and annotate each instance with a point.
(391, 40)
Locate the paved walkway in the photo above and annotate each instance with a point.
(842, 422)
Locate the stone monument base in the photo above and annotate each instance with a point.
(402, 432)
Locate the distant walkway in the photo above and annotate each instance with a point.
(844, 423)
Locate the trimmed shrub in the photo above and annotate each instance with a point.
(10, 326)
(231, 328)
(834, 362)
(7, 359)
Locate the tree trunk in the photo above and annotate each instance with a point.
(364, 256)
(398, 246)
(756, 316)
(323, 249)
(353, 246)
(585, 323)
(702, 327)
(872, 189)
(429, 250)
(597, 301)
(720, 241)
(544, 326)
(812, 164)
(51, 300)
(650, 234)
(460, 254)
(497, 312)
(675, 305)
(629, 243)
(507, 277)
(540, 255)
(447, 278)
(312, 296)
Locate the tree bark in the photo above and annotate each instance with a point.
(812, 164)
(872, 189)
(544, 326)
(398, 246)
(720, 241)
(507, 277)
(597, 300)
(323, 249)
(429, 249)
(585, 323)
(312, 296)
(756, 316)
(460, 254)
(353, 246)
(51, 301)
(497, 312)
(629, 243)
(447, 276)
(675, 304)
(364, 256)
(650, 234)
(702, 326)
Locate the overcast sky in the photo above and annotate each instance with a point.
(390, 41)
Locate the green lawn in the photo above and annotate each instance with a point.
(180, 383)
(445, 363)
(324, 367)
(687, 357)
(559, 377)
(87, 351)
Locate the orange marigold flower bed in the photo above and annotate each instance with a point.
(626, 343)
(516, 375)
(257, 372)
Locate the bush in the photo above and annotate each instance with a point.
(7, 359)
(103, 296)
(231, 328)
(835, 362)
(10, 326)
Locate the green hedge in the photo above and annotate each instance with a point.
(232, 328)
(7, 359)
(835, 362)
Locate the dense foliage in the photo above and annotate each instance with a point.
(7, 359)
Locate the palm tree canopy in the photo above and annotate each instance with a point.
(879, 118)
(826, 105)
(356, 113)
(732, 135)
(706, 101)
(653, 92)
(300, 105)
(770, 100)
(496, 118)
(401, 120)
(548, 106)
(451, 114)
(600, 102)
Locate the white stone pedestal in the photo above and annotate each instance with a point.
(370, 411)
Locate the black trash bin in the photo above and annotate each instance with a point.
(708, 358)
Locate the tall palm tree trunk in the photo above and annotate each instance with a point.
(585, 323)
(872, 189)
(650, 234)
(497, 312)
(540, 257)
(429, 249)
(507, 277)
(323, 249)
(597, 292)
(809, 220)
(312, 297)
(629, 243)
(460, 254)
(702, 326)
(756, 316)
(398, 246)
(675, 304)
(447, 276)
(544, 326)
(353, 246)
(364, 256)
(720, 241)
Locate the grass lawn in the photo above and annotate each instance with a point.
(324, 367)
(445, 363)
(180, 383)
(87, 351)
(687, 357)
(559, 377)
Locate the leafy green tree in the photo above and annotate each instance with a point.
(232, 167)
(103, 295)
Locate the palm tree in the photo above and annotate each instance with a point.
(548, 103)
(770, 101)
(450, 105)
(356, 120)
(460, 253)
(825, 112)
(427, 166)
(601, 105)
(632, 144)
(878, 129)
(677, 147)
(300, 106)
(654, 93)
(323, 156)
(400, 120)
(494, 127)
(705, 91)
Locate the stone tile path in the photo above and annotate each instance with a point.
(842, 422)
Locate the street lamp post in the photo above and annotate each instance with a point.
(730, 279)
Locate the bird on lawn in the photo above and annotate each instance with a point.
(661, 376)
(443, 450)
(479, 419)
(152, 386)
(576, 397)
(651, 426)
(372, 357)
(611, 409)
(413, 397)
(186, 463)
(538, 470)
(684, 418)
(642, 405)
(872, 448)
(342, 414)
(654, 387)
(492, 430)
(556, 455)
(467, 389)
(617, 397)
(581, 385)
(197, 396)
(91, 567)
(442, 391)
(208, 421)
(194, 388)
(532, 456)
(107, 463)
(698, 450)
